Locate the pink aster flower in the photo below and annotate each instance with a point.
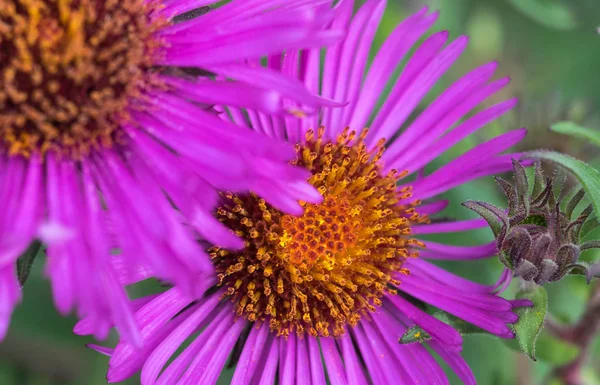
(106, 109)
(327, 294)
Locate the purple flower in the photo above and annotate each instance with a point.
(107, 117)
(329, 292)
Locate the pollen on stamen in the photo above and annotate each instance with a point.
(69, 71)
(322, 271)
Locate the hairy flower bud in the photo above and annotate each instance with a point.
(538, 236)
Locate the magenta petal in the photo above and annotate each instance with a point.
(253, 349)
(101, 349)
(287, 360)
(234, 130)
(434, 250)
(174, 371)
(333, 362)
(374, 365)
(449, 227)
(354, 368)
(157, 359)
(442, 113)
(353, 59)
(433, 272)
(456, 362)
(415, 160)
(418, 364)
(477, 309)
(10, 295)
(437, 329)
(302, 377)
(393, 50)
(421, 73)
(206, 370)
(267, 374)
(231, 93)
(150, 318)
(316, 366)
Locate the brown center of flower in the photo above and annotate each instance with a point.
(69, 70)
(323, 270)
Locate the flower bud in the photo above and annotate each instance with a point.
(537, 236)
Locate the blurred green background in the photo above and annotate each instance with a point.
(550, 48)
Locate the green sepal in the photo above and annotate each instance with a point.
(559, 180)
(511, 195)
(522, 184)
(495, 217)
(594, 244)
(573, 201)
(506, 260)
(538, 181)
(588, 226)
(590, 271)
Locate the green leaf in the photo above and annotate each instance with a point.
(531, 319)
(25, 261)
(417, 334)
(550, 13)
(588, 176)
(577, 131)
(556, 351)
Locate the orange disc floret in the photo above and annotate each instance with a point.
(325, 269)
(70, 69)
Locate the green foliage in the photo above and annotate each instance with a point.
(577, 131)
(531, 319)
(556, 381)
(26, 260)
(590, 376)
(551, 13)
(555, 351)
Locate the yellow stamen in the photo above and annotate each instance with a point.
(330, 266)
(70, 69)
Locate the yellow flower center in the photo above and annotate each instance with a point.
(324, 270)
(69, 70)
